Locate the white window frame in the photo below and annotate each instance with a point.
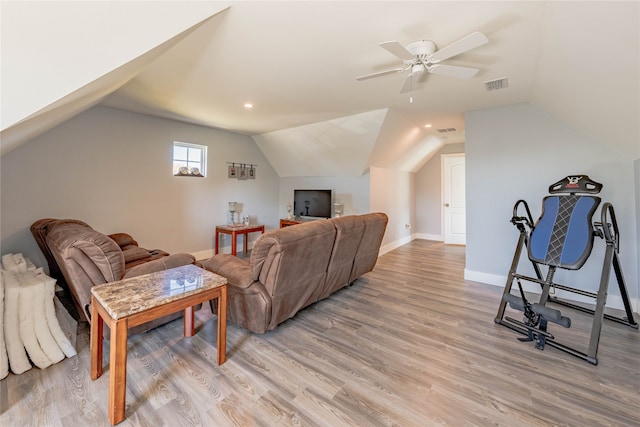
(190, 163)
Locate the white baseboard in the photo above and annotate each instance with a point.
(203, 254)
(208, 253)
(427, 236)
(613, 301)
(393, 245)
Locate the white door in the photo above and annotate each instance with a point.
(453, 199)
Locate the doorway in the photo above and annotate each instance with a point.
(454, 216)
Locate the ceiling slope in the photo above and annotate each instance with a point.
(588, 72)
(58, 65)
(339, 147)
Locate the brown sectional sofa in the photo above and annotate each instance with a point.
(293, 267)
(81, 257)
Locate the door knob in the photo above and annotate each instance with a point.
(446, 205)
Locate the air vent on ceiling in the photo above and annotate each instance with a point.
(445, 130)
(496, 84)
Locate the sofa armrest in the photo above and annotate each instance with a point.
(236, 270)
(164, 263)
(123, 239)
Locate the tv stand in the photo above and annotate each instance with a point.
(287, 222)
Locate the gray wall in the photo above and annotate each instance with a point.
(113, 170)
(516, 152)
(429, 194)
(637, 172)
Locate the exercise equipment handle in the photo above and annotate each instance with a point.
(606, 225)
(518, 220)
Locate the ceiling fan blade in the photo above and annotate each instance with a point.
(453, 71)
(411, 83)
(379, 74)
(466, 43)
(397, 49)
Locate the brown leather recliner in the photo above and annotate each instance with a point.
(82, 257)
(133, 254)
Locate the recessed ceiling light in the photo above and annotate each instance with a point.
(248, 105)
(428, 125)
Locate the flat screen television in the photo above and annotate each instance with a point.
(312, 203)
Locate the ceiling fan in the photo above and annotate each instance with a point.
(422, 55)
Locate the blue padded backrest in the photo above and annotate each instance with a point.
(563, 236)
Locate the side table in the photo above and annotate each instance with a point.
(235, 231)
(131, 302)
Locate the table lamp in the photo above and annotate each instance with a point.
(232, 209)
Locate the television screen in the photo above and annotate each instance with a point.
(312, 203)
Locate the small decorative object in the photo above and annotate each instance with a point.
(185, 171)
(241, 171)
(338, 209)
(289, 211)
(233, 206)
(246, 221)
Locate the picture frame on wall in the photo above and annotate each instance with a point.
(232, 171)
(242, 173)
(252, 173)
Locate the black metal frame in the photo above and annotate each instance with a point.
(535, 325)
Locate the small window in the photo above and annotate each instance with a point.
(189, 159)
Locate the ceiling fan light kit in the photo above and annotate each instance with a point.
(423, 55)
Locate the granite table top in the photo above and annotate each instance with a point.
(137, 294)
(240, 227)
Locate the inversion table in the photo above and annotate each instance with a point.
(563, 238)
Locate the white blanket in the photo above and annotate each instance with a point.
(29, 324)
(4, 359)
(18, 360)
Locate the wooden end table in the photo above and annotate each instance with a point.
(288, 222)
(235, 231)
(131, 302)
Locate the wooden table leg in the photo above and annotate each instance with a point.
(222, 325)
(97, 325)
(118, 370)
(234, 243)
(189, 328)
(245, 237)
(217, 244)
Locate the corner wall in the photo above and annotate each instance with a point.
(516, 152)
(393, 192)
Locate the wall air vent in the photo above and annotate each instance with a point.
(446, 130)
(496, 84)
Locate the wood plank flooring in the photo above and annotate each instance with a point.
(409, 344)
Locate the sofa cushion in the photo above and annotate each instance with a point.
(236, 269)
(349, 231)
(367, 254)
(293, 264)
(134, 253)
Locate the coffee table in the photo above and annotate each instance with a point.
(137, 300)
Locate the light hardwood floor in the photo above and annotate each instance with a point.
(410, 344)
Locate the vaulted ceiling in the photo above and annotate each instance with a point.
(296, 62)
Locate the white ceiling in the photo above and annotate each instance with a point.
(297, 63)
